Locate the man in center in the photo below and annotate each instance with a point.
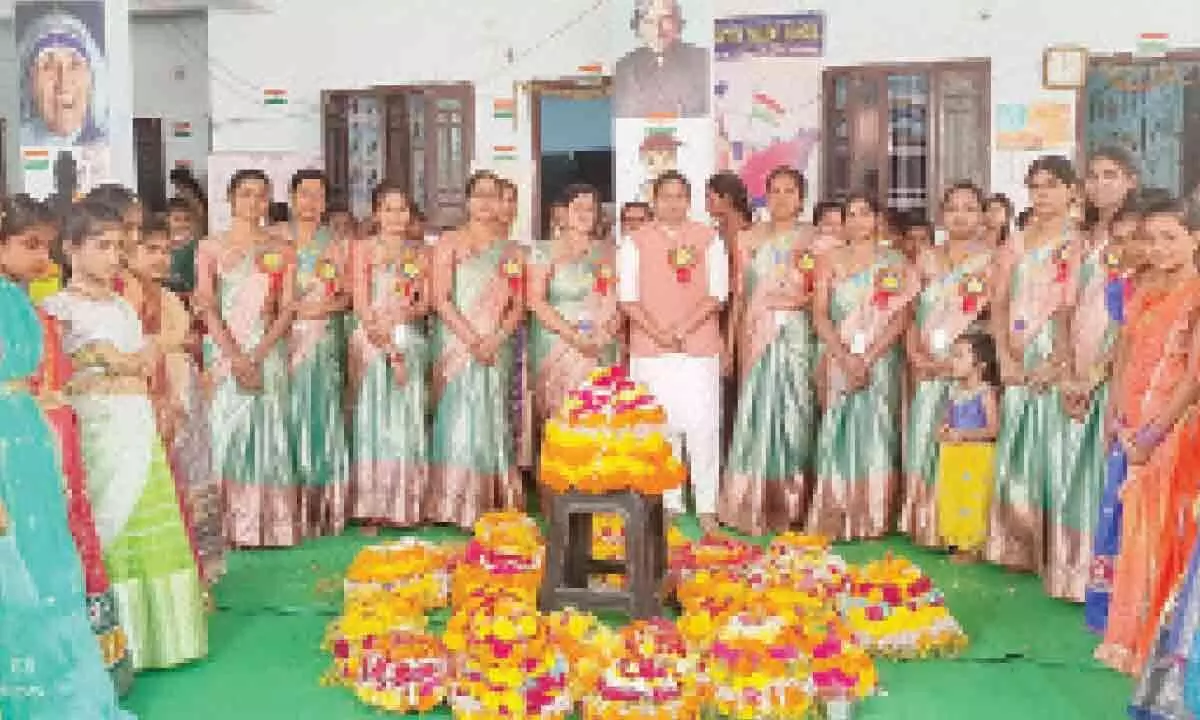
(673, 280)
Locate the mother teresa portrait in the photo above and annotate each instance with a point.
(63, 73)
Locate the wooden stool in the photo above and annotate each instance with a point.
(569, 561)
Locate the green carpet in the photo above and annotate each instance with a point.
(1029, 657)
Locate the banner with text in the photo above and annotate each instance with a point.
(767, 91)
(662, 95)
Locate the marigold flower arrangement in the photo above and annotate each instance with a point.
(894, 610)
(403, 671)
(506, 552)
(756, 670)
(608, 543)
(408, 567)
(587, 644)
(652, 677)
(608, 437)
(506, 666)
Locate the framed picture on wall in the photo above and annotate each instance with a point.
(1064, 67)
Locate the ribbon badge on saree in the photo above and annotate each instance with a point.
(887, 286)
(807, 264)
(410, 272)
(1062, 260)
(682, 260)
(972, 291)
(1117, 288)
(270, 263)
(513, 271)
(327, 273)
(603, 277)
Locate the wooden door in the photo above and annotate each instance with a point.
(449, 146)
(335, 141)
(904, 133)
(149, 155)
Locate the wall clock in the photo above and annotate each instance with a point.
(1064, 67)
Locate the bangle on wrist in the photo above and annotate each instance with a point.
(1148, 436)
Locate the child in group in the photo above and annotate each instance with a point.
(175, 391)
(51, 666)
(142, 534)
(181, 228)
(967, 446)
(25, 238)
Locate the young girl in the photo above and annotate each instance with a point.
(861, 312)
(1154, 390)
(478, 291)
(24, 242)
(142, 534)
(174, 388)
(956, 278)
(964, 482)
(389, 368)
(244, 289)
(50, 664)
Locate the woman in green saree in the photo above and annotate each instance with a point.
(317, 361)
(770, 452)
(1033, 295)
(954, 296)
(861, 311)
(1075, 508)
(478, 295)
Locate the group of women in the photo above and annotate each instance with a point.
(313, 379)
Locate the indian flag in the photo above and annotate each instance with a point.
(275, 96)
(503, 108)
(181, 129)
(36, 159)
(504, 153)
(1153, 43)
(765, 108)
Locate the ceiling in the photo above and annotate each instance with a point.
(172, 7)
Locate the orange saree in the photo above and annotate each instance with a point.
(1157, 339)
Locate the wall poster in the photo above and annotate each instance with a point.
(767, 88)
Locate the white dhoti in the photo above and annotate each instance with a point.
(689, 389)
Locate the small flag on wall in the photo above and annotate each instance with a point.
(1153, 43)
(767, 109)
(504, 153)
(36, 159)
(181, 129)
(504, 108)
(275, 96)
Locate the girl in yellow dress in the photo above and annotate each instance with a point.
(964, 481)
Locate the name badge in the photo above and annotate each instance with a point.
(858, 344)
(939, 340)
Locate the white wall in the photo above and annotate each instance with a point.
(171, 81)
(388, 42)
